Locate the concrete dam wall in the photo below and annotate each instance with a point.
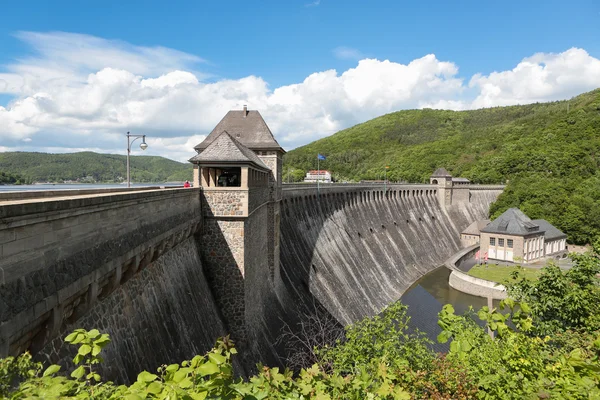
(356, 250)
(164, 314)
(125, 262)
(141, 266)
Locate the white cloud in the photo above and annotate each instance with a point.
(347, 53)
(315, 3)
(541, 77)
(67, 100)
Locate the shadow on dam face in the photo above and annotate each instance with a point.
(358, 251)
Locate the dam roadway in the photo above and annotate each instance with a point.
(130, 263)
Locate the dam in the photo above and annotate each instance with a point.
(167, 271)
(359, 250)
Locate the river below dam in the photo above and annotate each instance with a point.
(426, 297)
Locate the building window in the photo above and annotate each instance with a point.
(492, 241)
(509, 243)
(501, 242)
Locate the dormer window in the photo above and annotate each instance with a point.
(531, 227)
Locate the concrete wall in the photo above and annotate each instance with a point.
(357, 249)
(476, 287)
(162, 315)
(262, 309)
(469, 284)
(61, 255)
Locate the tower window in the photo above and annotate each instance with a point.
(230, 177)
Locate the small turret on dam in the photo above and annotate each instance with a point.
(167, 271)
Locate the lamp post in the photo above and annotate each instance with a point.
(143, 146)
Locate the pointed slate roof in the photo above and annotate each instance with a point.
(248, 127)
(226, 149)
(513, 222)
(441, 173)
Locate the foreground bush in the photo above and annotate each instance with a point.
(512, 365)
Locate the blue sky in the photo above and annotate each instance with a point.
(83, 72)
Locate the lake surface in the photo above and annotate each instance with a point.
(78, 186)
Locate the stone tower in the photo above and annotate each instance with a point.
(443, 179)
(238, 166)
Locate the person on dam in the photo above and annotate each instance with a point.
(187, 184)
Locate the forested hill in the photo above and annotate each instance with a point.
(549, 153)
(90, 167)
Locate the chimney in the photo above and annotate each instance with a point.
(245, 110)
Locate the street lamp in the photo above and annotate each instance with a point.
(143, 146)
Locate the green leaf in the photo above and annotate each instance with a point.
(172, 367)
(93, 334)
(444, 336)
(154, 388)
(208, 369)
(180, 375)
(146, 377)
(51, 370)
(186, 383)
(216, 358)
(77, 359)
(70, 337)
(84, 350)
(78, 373)
(96, 350)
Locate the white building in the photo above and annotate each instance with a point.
(514, 236)
(318, 175)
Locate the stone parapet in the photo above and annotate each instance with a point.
(45, 194)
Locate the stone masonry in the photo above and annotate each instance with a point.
(223, 257)
(225, 202)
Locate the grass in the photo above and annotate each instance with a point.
(502, 273)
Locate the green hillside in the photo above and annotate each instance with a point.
(549, 154)
(90, 167)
